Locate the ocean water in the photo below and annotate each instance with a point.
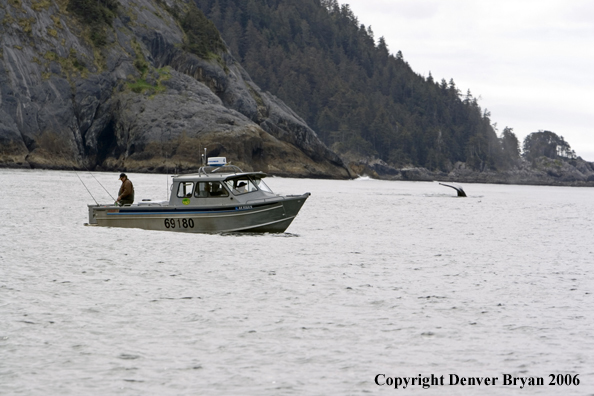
(396, 279)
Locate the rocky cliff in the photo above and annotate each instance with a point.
(139, 101)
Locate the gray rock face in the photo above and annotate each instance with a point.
(140, 102)
(543, 171)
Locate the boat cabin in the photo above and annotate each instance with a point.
(220, 185)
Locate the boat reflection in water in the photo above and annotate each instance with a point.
(219, 198)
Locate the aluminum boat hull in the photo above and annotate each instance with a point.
(272, 215)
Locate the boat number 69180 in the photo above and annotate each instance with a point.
(179, 223)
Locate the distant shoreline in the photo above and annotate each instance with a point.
(544, 173)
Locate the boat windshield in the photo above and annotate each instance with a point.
(261, 185)
(241, 185)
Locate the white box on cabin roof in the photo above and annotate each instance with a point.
(217, 161)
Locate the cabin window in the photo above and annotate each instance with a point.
(185, 189)
(262, 186)
(210, 189)
(241, 185)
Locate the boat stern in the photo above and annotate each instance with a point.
(92, 214)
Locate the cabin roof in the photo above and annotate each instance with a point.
(215, 176)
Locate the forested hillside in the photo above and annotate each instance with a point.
(351, 88)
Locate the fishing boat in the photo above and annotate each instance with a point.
(219, 198)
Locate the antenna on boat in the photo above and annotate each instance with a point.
(204, 157)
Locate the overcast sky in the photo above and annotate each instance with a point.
(530, 62)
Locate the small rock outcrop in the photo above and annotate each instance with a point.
(139, 101)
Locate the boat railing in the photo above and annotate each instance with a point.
(206, 170)
(267, 199)
(276, 198)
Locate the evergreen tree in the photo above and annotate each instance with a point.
(203, 38)
(510, 147)
(547, 144)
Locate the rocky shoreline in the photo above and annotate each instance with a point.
(544, 171)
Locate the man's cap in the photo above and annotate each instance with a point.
(122, 175)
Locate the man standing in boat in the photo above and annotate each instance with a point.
(126, 194)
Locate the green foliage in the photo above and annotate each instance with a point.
(70, 64)
(140, 62)
(174, 10)
(356, 144)
(141, 66)
(96, 15)
(139, 86)
(150, 79)
(203, 38)
(57, 21)
(547, 144)
(40, 5)
(164, 73)
(94, 12)
(318, 58)
(26, 24)
(50, 56)
(510, 147)
(153, 85)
